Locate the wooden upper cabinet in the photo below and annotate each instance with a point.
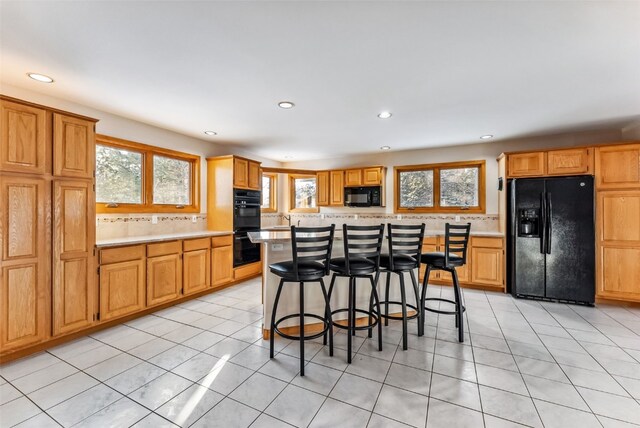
(570, 161)
(73, 147)
(323, 188)
(336, 195)
(526, 164)
(372, 176)
(240, 173)
(24, 262)
(255, 181)
(73, 243)
(25, 140)
(353, 177)
(618, 167)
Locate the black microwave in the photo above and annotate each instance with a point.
(362, 196)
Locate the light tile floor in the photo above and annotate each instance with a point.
(204, 363)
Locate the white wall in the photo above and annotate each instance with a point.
(485, 151)
(631, 132)
(128, 129)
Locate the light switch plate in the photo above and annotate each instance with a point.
(457, 218)
(154, 219)
(194, 219)
(277, 247)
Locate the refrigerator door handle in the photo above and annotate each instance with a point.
(543, 215)
(549, 217)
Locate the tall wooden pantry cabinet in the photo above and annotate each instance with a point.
(47, 223)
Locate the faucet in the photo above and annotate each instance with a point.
(288, 218)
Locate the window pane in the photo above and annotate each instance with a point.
(266, 192)
(171, 181)
(118, 175)
(305, 193)
(416, 189)
(459, 187)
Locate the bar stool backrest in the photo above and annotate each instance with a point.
(405, 239)
(311, 244)
(362, 242)
(456, 241)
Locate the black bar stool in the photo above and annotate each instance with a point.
(455, 255)
(311, 249)
(362, 245)
(405, 245)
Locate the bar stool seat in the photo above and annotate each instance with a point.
(400, 262)
(437, 259)
(358, 265)
(307, 271)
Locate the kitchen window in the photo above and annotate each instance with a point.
(444, 187)
(133, 177)
(269, 193)
(302, 193)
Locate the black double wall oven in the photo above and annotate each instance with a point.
(246, 218)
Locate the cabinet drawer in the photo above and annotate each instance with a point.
(196, 244)
(121, 254)
(484, 242)
(164, 248)
(247, 270)
(222, 241)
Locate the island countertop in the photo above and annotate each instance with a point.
(143, 239)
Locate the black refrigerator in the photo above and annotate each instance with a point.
(551, 239)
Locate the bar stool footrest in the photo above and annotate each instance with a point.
(399, 317)
(374, 321)
(325, 329)
(438, 311)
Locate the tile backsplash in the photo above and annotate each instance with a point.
(112, 226)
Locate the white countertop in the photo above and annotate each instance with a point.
(132, 240)
(277, 236)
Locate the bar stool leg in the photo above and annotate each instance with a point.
(329, 316)
(272, 331)
(423, 298)
(459, 313)
(350, 319)
(386, 298)
(333, 280)
(301, 328)
(403, 296)
(353, 308)
(374, 294)
(416, 292)
(370, 330)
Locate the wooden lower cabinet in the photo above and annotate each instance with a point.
(73, 241)
(196, 271)
(164, 279)
(619, 273)
(486, 266)
(24, 262)
(221, 265)
(122, 289)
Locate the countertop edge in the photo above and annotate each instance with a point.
(144, 239)
(283, 236)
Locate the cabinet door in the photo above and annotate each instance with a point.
(353, 177)
(221, 265)
(24, 262)
(24, 141)
(526, 164)
(121, 289)
(486, 266)
(240, 173)
(74, 148)
(196, 267)
(336, 195)
(619, 273)
(372, 176)
(254, 176)
(323, 188)
(164, 279)
(618, 167)
(73, 243)
(569, 162)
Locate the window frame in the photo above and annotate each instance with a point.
(292, 196)
(436, 167)
(147, 205)
(273, 192)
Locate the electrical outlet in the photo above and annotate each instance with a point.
(355, 216)
(399, 217)
(194, 219)
(322, 216)
(277, 247)
(154, 219)
(457, 218)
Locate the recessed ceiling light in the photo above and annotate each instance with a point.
(384, 114)
(486, 137)
(40, 77)
(385, 148)
(210, 132)
(286, 104)
(288, 157)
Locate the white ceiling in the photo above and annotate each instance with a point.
(449, 71)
